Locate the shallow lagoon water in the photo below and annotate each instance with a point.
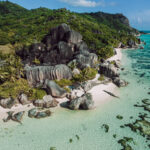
(82, 130)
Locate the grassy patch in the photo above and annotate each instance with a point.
(13, 89)
(86, 74)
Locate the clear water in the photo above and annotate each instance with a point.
(64, 127)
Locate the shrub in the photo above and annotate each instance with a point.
(64, 82)
(13, 89)
(86, 74)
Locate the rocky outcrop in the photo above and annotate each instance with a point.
(36, 113)
(108, 70)
(15, 117)
(47, 102)
(119, 82)
(54, 89)
(18, 116)
(84, 102)
(7, 103)
(60, 46)
(23, 99)
(86, 59)
(38, 74)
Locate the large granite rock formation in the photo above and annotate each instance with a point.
(38, 74)
(84, 102)
(48, 59)
(108, 70)
(54, 89)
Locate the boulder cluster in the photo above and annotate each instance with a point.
(60, 48)
(111, 71)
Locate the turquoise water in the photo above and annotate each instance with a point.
(81, 130)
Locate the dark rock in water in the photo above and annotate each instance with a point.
(47, 102)
(36, 113)
(119, 117)
(142, 75)
(15, 117)
(119, 82)
(111, 94)
(7, 103)
(23, 99)
(141, 47)
(10, 113)
(106, 127)
(39, 74)
(84, 102)
(33, 112)
(54, 89)
(43, 114)
(108, 70)
(146, 101)
(18, 116)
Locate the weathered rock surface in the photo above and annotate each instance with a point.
(108, 70)
(23, 99)
(15, 117)
(47, 102)
(86, 59)
(119, 82)
(36, 113)
(18, 116)
(84, 102)
(54, 89)
(38, 74)
(7, 103)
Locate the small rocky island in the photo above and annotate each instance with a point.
(63, 66)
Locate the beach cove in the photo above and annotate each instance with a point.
(72, 130)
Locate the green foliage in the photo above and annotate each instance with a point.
(63, 82)
(13, 89)
(36, 61)
(11, 67)
(86, 74)
(100, 31)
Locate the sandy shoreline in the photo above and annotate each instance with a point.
(99, 96)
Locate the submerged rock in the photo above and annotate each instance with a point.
(18, 116)
(54, 89)
(36, 113)
(33, 112)
(15, 117)
(84, 102)
(43, 114)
